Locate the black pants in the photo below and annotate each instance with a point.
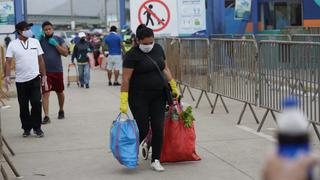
(30, 92)
(148, 107)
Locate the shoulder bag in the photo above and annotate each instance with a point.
(167, 89)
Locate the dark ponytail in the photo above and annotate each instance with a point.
(143, 32)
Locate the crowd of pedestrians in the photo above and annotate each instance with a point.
(39, 67)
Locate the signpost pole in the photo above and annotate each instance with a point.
(254, 11)
(18, 11)
(122, 13)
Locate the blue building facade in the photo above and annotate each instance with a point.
(266, 15)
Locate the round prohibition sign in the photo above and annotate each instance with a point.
(144, 7)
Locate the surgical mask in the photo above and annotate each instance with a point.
(27, 33)
(146, 48)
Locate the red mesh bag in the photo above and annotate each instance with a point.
(179, 141)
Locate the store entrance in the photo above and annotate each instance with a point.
(277, 15)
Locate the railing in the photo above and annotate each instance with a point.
(289, 69)
(233, 71)
(306, 37)
(258, 74)
(3, 142)
(275, 37)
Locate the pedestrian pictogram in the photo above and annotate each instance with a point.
(154, 14)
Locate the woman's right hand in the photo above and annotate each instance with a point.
(124, 102)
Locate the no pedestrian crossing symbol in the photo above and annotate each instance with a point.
(155, 14)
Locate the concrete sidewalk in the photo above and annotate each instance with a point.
(76, 148)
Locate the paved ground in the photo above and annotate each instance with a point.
(77, 147)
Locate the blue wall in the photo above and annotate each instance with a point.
(215, 17)
(233, 26)
(311, 10)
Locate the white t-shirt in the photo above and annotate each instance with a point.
(26, 57)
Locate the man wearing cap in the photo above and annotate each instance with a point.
(53, 47)
(81, 49)
(27, 53)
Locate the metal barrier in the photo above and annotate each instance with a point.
(233, 71)
(172, 56)
(306, 37)
(2, 139)
(194, 64)
(314, 30)
(233, 36)
(277, 37)
(289, 69)
(3, 94)
(238, 69)
(162, 42)
(295, 30)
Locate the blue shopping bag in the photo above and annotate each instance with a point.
(124, 142)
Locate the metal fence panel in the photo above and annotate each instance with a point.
(306, 37)
(194, 63)
(314, 30)
(173, 57)
(295, 30)
(276, 37)
(233, 36)
(162, 42)
(290, 69)
(233, 69)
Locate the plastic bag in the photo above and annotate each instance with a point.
(124, 143)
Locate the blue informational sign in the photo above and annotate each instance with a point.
(242, 10)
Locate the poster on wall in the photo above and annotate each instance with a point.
(242, 10)
(192, 17)
(6, 12)
(159, 15)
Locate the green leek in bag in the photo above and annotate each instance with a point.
(187, 117)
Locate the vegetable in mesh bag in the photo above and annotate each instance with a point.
(187, 117)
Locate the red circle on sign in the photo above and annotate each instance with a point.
(164, 25)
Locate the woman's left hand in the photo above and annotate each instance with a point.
(174, 88)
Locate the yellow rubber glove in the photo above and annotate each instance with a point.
(124, 102)
(174, 88)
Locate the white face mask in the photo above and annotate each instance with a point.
(27, 33)
(146, 48)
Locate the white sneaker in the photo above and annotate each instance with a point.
(157, 166)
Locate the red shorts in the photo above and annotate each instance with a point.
(55, 82)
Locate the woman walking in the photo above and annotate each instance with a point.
(145, 76)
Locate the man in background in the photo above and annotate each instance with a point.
(114, 60)
(7, 41)
(53, 47)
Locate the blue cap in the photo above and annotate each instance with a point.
(290, 102)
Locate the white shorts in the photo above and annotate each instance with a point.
(114, 62)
